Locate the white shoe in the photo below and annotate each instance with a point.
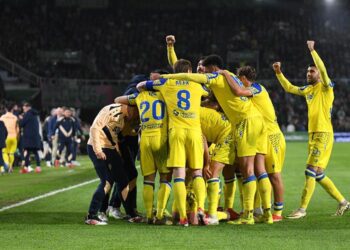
(48, 164)
(213, 220)
(115, 213)
(76, 163)
(103, 217)
(297, 214)
(94, 220)
(30, 169)
(342, 208)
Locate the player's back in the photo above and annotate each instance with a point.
(10, 121)
(213, 124)
(152, 111)
(235, 107)
(183, 99)
(263, 103)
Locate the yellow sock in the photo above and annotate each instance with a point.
(180, 196)
(249, 189)
(162, 199)
(198, 186)
(329, 186)
(265, 190)
(213, 193)
(257, 199)
(309, 187)
(222, 215)
(278, 208)
(229, 192)
(148, 190)
(240, 188)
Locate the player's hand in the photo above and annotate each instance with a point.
(141, 85)
(277, 67)
(310, 45)
(170, 40)
(207, 172)
(101, 155)
(222, 72)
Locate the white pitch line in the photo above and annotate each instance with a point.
(47, 195)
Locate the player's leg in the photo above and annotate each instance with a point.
(177, 162)
(264, 187)
(99, 195)
(69, 149)
(163, 197)
(160, 156)
(148, 194)
(194, 159)
(248, 189)
(213, 190)
(274, 161)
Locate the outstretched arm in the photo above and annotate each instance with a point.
(172, 58)
(236, 89)
(319, 64)
(286, 85)
(195, 77)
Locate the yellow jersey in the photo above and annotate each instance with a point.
(263, 103)
(236, 108)
(182, 99)
(152, 111)
(319, 98)
(213, 124)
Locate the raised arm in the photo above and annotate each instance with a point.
(236, 89)
(172, 58)
(319, 64)
(286, 85)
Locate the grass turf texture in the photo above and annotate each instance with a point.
(57, 222)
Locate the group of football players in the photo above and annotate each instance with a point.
(195, 127)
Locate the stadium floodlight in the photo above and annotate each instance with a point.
(330, 1)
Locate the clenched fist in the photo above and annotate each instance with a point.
(170, 40)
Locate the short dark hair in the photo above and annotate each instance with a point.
(213, 60)
(248, 71)
(182, 66)
(311, 65)
(26, 104)
(160, 71)
(10, 105)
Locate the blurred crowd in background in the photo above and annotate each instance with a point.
(118, 42)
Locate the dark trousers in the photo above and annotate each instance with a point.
(2, 163)
(112, 171)
(26, 154)
(68, 143)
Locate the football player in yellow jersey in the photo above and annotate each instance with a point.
(229, 189)
(251, 139)
(276, 144)
(183, 100)
(217, 129)
(319, 98)
(153, 149)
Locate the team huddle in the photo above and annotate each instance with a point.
(195, 127)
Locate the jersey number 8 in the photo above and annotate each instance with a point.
(183, 97)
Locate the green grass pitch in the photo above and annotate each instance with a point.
(56, 222)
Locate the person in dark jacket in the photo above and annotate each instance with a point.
(3, 136)
(66, 133)
(31, 139)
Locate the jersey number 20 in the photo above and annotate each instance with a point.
(145, 106)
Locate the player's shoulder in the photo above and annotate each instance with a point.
(257, 88)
